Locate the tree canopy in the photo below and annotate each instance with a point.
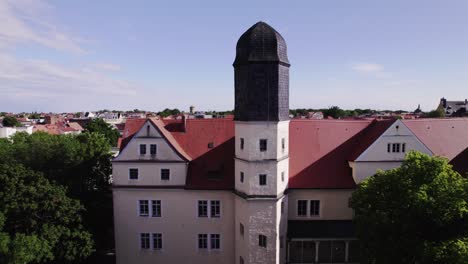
(11, 121)
(167, 112)
(78, 163)
(417, 213)
(98, 125)
(38, 222)
(437, 113)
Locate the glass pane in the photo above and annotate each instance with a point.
(308, 251)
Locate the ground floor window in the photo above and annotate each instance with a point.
(323, 251)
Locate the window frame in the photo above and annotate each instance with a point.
(205, 241)
(262, 241)
(283, 144)
(206, 206)
(137, 174)
(263, 144)
(314, 203)
(154, 203)
(301, 209)
(218, 206)
(161, 174)
(139, 212)
(142, 153)
(262, 179)
(155, 149)
(152, 237)
(141, 241)
(242, 143)
(242, 175)
(241, 229)
(218, 239)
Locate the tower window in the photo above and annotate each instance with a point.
(241, 176)
(142, 149)
(241, 229)
(165, 174)
(282, 176)
(283, 144)
(242, 143)
(241, 260)
(262, 179)
(263, 145)
(210, 145)
(133, 174)
(153, 149)
(262, 241)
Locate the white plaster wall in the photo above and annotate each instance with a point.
(258, 217)
(149, 173)
(164, 150)
(378, 150)
(252, 132)
(333, 204)
(179, 225)
(252, 170)
(363, 170)
(143, 132)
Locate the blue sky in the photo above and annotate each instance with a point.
(89, 55)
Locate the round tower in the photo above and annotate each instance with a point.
(261, 116)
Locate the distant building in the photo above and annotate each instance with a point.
(6, 132)
(452, 108)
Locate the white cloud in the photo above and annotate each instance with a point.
(23, 21)
(40, 78)
(107, 66)
(367, 67)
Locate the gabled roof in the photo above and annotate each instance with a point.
(460, 163)
(444, 137)
(319, 150)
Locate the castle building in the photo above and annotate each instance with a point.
(258, 188)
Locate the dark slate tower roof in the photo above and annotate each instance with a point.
(261, 75)
(261, 43)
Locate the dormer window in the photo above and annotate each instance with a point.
(142, 149)
(153, 149)
(396, 147)
(263, 145)
(242, 143)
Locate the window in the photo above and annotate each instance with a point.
(262, 241)
(403, 147)
(215, 242)
(241, 260)
(388, 147)
(283, 144)
(282, 207)
(396, 147)
(242, 143)
(144, 240)
(142, 149)
(156, 208)
(262, 179)
(210, 145)
(133, 174)
(302, 208)
(143, 207)
(202, 241)
(157, 241)
(241, 176)
(314, 207)
(263, 144)
(215, 208)
(241, 229)
(282, 176)
(165, 173)
(203, 208)
(153, 149)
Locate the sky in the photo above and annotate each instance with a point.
(69, 56)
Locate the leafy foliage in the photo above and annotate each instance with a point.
(334, 111)
(81, 163)
(167, 112)
(438, 113)
(38, 222)
(98, 125)
(417, 213)
(11, 121)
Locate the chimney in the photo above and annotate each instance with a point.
(466, 101)
(184, 122)
(191, 109)
(443, 102)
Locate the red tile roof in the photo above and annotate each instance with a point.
(431, 131)
(319, 150)
(460, 163)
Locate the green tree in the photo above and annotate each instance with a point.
(38, 222)
(167, 112)
(438, 113)
(11, 121)
(334, 112)
(35, 115)
(417, 213)
(98, 125)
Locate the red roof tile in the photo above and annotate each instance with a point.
(444, 137)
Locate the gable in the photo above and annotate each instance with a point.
(397, 133)
(147, 135)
